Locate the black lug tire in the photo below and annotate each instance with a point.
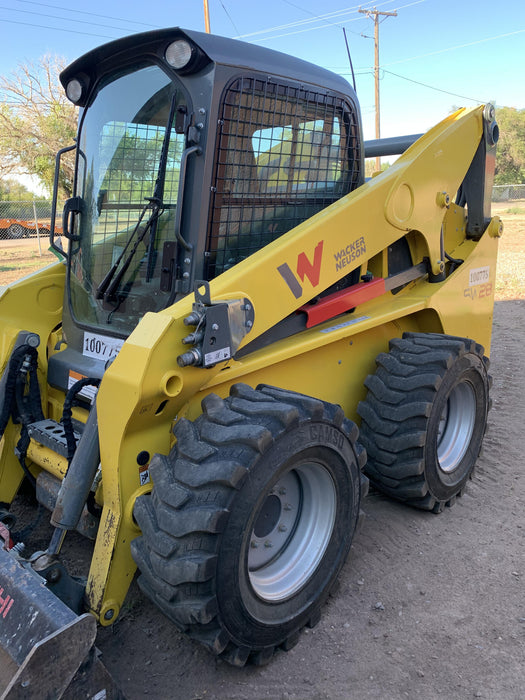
(17, 231)
(214, 502)
(424, 418)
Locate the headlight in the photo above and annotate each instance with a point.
(74, 90)
(179, 53)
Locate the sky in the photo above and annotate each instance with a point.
(435, 55)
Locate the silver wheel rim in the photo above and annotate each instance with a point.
(16, 231)
(292, 531)
(456, 426)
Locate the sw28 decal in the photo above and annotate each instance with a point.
(479, 286)
(481, 291)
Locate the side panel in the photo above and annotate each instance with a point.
(33, 304)
(334, 372)
(332, 360)
(466, 300)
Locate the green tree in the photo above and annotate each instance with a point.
(36, 120)
(510, 158)
(134, 163)
(370, 166)
(12, 190)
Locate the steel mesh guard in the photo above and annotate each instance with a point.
(283, 154)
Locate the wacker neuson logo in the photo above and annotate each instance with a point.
(311, 269)
(353, 251)
(304, 268)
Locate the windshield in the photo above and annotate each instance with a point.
(127, 180)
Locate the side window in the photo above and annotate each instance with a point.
(272, 150)
(304, 158)
(283, 154)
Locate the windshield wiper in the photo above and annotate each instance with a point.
(158, 192)
(109, 286)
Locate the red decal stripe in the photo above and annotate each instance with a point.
(339, 302)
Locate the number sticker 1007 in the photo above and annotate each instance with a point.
(101, 347)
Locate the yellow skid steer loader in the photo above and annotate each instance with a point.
(184, 386)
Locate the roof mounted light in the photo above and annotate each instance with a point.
(179, 54)
(74, 90)
(185, 56)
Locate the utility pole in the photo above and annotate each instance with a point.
(374, 14)
(206, 17)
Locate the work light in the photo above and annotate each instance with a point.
(179, 54)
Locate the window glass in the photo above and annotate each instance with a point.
(123, 137)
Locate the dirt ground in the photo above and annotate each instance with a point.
(428, 606)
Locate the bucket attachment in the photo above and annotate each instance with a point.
(51, 649)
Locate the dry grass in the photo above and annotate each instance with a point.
(510, 276)
(17, 260)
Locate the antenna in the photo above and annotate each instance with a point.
(349, 59)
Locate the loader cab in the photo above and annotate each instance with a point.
(193, 152)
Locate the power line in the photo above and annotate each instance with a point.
(317, 17)
(301, 31)
(431, 87)
(417, 82)
(58, 29)
(84, 12)
(454, 48)
(338, 14)
(77, 21)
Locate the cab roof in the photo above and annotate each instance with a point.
(220, 50)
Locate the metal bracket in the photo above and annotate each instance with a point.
(477, 184)
(219, 328)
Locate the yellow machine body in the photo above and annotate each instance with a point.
(144, 392)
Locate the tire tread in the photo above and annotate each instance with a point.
(182, 520)
(396, 410)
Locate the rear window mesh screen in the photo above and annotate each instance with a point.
(283, 154)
